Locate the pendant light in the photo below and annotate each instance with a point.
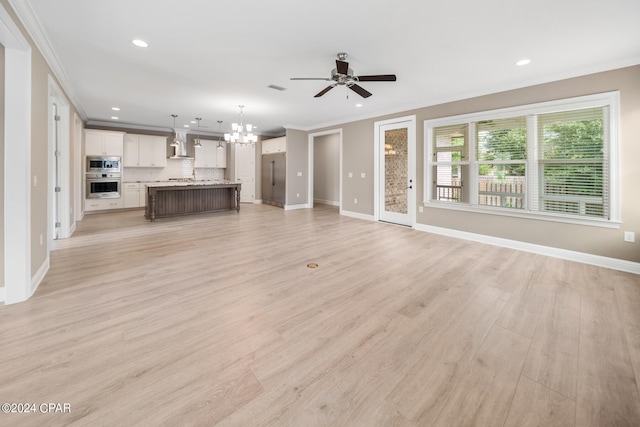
(197, 143)
(220, 145)
(175, 142)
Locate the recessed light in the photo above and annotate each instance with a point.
(186, 126)
(140, 43)
(523, 62)
(193, 122)
(358, 105)
(114, 118)
(115, 108)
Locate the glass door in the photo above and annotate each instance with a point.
(396, 172)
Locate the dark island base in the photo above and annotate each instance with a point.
(191, 199)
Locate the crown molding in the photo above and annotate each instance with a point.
(32, 25)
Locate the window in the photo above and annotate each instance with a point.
(551, 160)
(451, 162)
(502, 156)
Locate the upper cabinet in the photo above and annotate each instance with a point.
(145, 151)
(103, 143)
(210, 156)
(274, 145)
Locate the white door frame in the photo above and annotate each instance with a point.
(17, 163)
(311, 140)
(57, 99)
(77, 169)
(378, 182)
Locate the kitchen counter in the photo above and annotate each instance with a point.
(175, 198)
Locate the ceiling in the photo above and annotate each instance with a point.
(207, 57)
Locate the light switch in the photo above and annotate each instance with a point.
(299, 173)
(363, 175)
(350, 174)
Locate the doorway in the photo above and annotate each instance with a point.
(395, 142)
(325, 168)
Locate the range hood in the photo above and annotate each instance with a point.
(181, 149)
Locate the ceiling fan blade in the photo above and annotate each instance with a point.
(378, 78)
(360, 91)
(342, 67)
(323, 91)
(309, 78)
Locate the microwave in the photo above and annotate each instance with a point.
(103, 164)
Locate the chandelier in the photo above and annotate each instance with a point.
(241, 133)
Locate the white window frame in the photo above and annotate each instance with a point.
(531, 111)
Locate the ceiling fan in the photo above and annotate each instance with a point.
(343, 75)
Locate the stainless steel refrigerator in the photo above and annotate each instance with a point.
(273, 179)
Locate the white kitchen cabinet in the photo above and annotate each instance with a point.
(274, 145)
(102, 204)
(210, 156)
(103, 143)
(145, 151)
(131, 194)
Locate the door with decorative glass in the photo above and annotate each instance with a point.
(396, 172)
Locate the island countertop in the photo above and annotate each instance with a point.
(188, 183)
(166, 199)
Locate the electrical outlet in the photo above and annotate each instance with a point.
(355, 201)
(41, 240)
(35, 180)
(350, 174)
(363, 175)
(629, 236)
(299, 173)
(420, 209)
(297, 194)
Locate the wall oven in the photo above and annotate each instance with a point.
(103, 185)
(103, 164)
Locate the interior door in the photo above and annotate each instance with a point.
(397, 171)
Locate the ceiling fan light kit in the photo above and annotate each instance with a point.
(342, 75)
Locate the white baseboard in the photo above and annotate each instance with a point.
(326, 202)
(598, 260)
(357, 215)
(293, 207)
(39, 276)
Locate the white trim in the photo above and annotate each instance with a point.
(39, 276)
(410, 123)
(357, 215)
(17, 161)
(310, 157)
(257, 202)
(608, 99)
(294, 207)
(326, 202)
(597, 260)
(57, 97)
(34, 28)
(2, 294)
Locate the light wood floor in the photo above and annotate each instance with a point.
(216, 319)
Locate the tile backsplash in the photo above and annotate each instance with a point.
(176, 168)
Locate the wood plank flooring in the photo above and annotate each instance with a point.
(216, 319)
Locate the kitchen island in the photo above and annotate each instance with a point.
(185, 198)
